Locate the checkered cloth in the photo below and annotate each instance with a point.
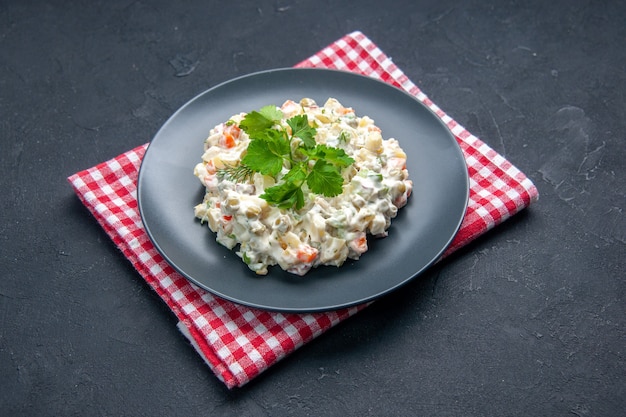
(238, 342)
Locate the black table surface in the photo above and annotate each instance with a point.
(527, 320)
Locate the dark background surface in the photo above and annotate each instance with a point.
(528, 320)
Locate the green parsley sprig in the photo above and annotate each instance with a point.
(272, 146)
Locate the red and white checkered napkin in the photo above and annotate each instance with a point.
(238, 342)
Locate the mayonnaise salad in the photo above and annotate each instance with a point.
(326, 230)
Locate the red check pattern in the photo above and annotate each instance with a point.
(237, 342)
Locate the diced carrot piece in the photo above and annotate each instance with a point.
(210, 167)
(227, 141)
(307, 253)
(233, 130)
(359, 244)
(229, 136)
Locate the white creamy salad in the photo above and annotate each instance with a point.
(324, 230)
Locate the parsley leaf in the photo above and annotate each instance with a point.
(336, 156)
(271, 149)
(272, 113)
(263, 157)
(285, 195)
(325, 179)
(258, 122)
(297, 174)
(300, 128)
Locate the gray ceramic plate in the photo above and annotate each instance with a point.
(168, 191)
